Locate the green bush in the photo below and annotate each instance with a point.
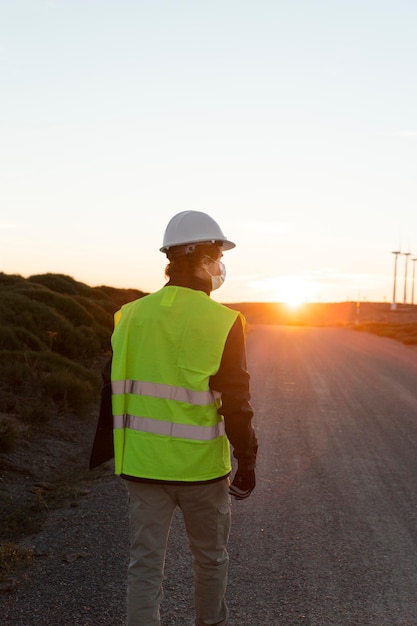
(66, 306)
(18, 310)
(56, 282)
(43, 322)
(51, 326)
(15, 371)
(68, 391)
(28, 340)
(120, 296)
(38, 384)
(10, 279)
(405, 332)
(9, 339)
(101, 311)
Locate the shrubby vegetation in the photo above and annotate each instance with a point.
(54, 332)
(406, 332)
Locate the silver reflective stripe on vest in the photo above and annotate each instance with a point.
(167, 392)
(159, 427)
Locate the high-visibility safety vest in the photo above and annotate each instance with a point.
(165, 416)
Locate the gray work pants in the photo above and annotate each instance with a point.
(207, 517)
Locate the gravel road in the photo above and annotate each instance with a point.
(329, 537)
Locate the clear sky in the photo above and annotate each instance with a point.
(292, 123)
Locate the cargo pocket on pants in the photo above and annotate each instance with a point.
(223, 525)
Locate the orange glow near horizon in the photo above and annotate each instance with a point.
(292, 291)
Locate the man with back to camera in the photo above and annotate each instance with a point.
(180, 394)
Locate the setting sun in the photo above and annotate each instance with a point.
(290, 290)
(293, 291)
(294, 300)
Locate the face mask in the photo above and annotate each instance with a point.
(217, 280)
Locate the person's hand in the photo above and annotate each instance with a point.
(243, 484)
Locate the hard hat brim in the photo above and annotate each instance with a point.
(224, 244)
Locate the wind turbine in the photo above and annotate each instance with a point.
(414, 273)
(394, 302)
(406, 254)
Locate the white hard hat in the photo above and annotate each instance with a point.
(192, 227)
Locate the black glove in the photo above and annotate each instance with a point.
(243, 484)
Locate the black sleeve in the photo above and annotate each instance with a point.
(232, 381)
(102, 449)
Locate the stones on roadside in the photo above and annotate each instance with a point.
(70, 557)
(44, 486)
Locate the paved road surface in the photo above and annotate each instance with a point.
(329, 537)
(334, 518)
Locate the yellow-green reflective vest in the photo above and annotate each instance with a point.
(165, 348)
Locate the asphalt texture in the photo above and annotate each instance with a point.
(329, 536)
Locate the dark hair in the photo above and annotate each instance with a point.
(181, 262)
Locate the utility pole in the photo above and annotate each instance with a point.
(394, 301)
(414, 273)
(406, 254)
